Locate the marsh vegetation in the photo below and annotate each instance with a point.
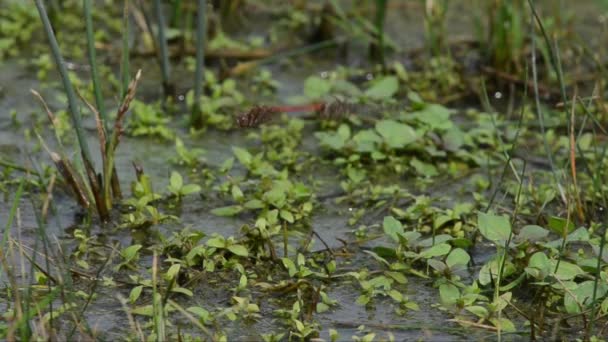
(303, 170)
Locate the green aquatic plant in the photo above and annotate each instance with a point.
(17, 26)
(177, 187)
(434, 25)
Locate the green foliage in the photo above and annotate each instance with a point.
(149, 120)
(18, 23)
(177, 187)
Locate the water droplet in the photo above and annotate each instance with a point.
(180, 97)
(369, 76)
(324, 74)
(498, 95)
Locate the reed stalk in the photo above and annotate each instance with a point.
(101, 108)
(196, 119)
(125, 77)
(163, 47)
(379, 22)
(71, 94)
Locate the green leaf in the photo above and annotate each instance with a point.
(230, 210)
(396, 295)
(183, 291)
(190, 189)
(276, 196)
(494, 228)
(449, 294)
(558, 224)
(239, 250)
(173, 271)
(316, 87)
(176, 181)
(437, 265)
(287, 216)
(383, 88)
(237, 193)
(242, 155)
(566, 270)
(532, 233)
(200, 312)
(396, 134)
(504, 324)
(437, 250)
(217, 242)
(392, 227)
(478, 311)
(130, 252)
(367, 141)
(254, 204)
(434, 115)
(397, 276)
(539, 266)
(135, 293)
(290, 266)
(458, 257)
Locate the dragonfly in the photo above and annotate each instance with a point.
(260, 114)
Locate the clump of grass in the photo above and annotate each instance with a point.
(379, 25)
(101, 188)
(504, 42)
(434, 25)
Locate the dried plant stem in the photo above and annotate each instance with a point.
(109, 169)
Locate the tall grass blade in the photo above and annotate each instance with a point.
(164, 49)
(540, 115)
(125, 72)
(379, 22)
(196, 119)
(71, 95)
(101, 108)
